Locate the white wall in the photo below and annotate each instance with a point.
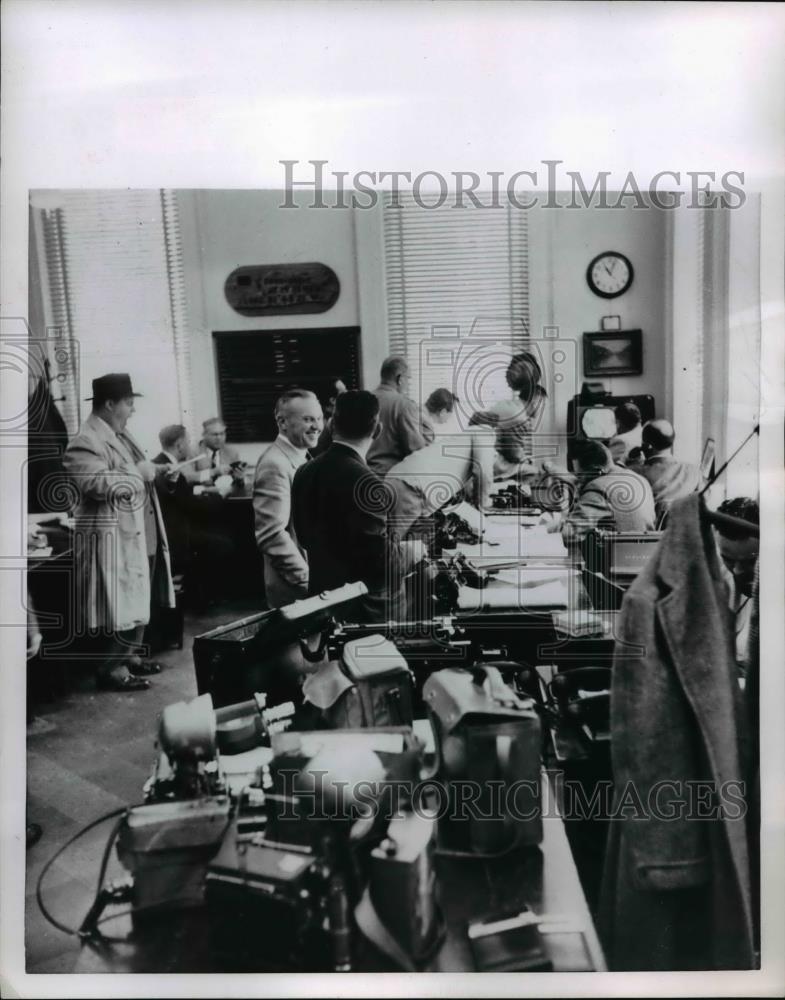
(222, 230)
(744, 352)
(563, 307)
(716, 346)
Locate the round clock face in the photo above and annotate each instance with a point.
(609, 274)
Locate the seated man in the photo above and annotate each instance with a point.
(339, 513)
(200, 553)
(607, 496)
(455, 460)
(628, 432)
(669, 478)
(220, 458)
(739, 555)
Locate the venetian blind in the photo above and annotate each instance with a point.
(457, 296)
(122, 293)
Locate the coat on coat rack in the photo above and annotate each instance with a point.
(676, 890)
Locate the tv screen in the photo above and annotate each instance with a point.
(598, 423)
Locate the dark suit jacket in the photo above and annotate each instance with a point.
(174, 498)
(47, 439)
(676, 885)
(339, 511)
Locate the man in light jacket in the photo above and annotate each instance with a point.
(299, 418)
(404, 428)
(121, 555)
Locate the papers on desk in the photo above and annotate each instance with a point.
(581, 623)
(505, 536)
(517, 588)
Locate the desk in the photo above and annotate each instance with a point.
(50, 586)
(224, 543)
(545, 879)
(530, 619)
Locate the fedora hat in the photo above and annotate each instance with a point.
(116, 385)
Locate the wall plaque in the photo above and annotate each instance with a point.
(282, 289)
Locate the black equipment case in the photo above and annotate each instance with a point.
(234, 661)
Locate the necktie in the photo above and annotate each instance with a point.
(215, 458)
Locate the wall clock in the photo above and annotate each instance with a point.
(609, 274)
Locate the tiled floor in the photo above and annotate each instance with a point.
(95, 758)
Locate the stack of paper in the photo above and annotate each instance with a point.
(505, 596)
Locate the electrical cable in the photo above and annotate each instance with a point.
(121, 812)
(87, 933)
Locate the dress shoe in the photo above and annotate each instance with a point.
(121, 682)
(143, 668)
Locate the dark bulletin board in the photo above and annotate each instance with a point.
(255, 366)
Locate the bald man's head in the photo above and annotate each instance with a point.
(657, 435)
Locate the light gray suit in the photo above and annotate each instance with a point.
(285, 565)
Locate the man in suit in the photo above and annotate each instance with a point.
(669, 478)
(220, 458)
(175, 489)
(299, 418)
(404, 428)
(339, 511)
(199, 552)
(121, 554)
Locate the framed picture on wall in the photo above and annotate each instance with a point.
(618, 353)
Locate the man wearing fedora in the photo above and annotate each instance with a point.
(121, 555)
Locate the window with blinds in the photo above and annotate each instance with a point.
(457, 295)
(116, 286)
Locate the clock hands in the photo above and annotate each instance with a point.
(609, 274)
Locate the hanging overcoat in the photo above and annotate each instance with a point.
(676, 883)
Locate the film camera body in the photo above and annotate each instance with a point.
(281, 862)
(304, 851)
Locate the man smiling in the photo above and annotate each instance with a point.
(299, 418)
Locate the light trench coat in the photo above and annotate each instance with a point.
(111, 571)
